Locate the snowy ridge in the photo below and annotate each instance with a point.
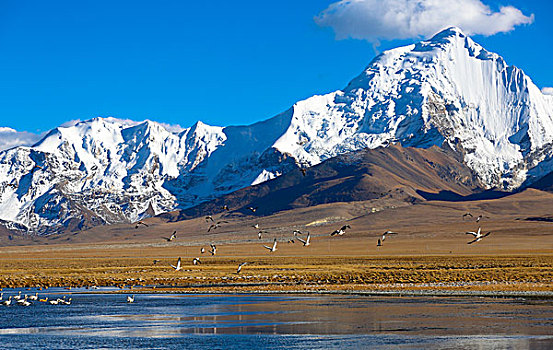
(112, 168)
(447, 90)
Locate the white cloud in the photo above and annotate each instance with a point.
(375, 20)
(10, 138)
(547, 91)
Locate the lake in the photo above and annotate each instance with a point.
(244, 321)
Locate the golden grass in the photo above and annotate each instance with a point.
(274, 273)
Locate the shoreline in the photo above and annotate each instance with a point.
(249, 289)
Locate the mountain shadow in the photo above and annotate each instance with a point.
(392, 173)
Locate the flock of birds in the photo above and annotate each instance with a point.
(27, 300)
(302, 237)
(478, 236)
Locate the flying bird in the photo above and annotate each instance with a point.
(225, 207)
(216, 225)
(467, 214)
(297, 232)
(341, 231)
(478, 236)
(253, 209)
(256, 226)
(196, 261)
(208, 218)
(178, 267)
(480, 217)
(156, 261)
(141, 223)
(305, 242)
(173, 236)
(273, 248)
(260, 232)
(379, 244)
(213, 250)
(387, 233)
(202, 250)
(240, 267)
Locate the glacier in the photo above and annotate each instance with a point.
(445, 91)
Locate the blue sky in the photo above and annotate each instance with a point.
(176, 62)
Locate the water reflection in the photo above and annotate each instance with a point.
(303, 321)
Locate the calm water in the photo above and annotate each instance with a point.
(169, 321)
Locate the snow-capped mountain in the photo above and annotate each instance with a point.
(447, 90)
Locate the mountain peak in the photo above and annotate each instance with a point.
(449, 32)
(446, 91)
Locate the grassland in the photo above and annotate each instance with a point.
(429, 253)
(134, 267)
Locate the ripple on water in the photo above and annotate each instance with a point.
(96, 321)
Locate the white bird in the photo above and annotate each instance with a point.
(25, 303)
(18, 296)
(253, 209)
(297, 232)
(478, 236)
(305, 242)
(256, 226)
(341, 231)
(67, 302)
(387, 233)
(1, 296)
(240, 267)
(34, 297)
(261, 232)
(196, 261)
(178, 267)
(273, 248)
(202, 250)
(213, 250)
(53, 302)
(7, 302)
(130, 298)
(21, 301)
(209, 217)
